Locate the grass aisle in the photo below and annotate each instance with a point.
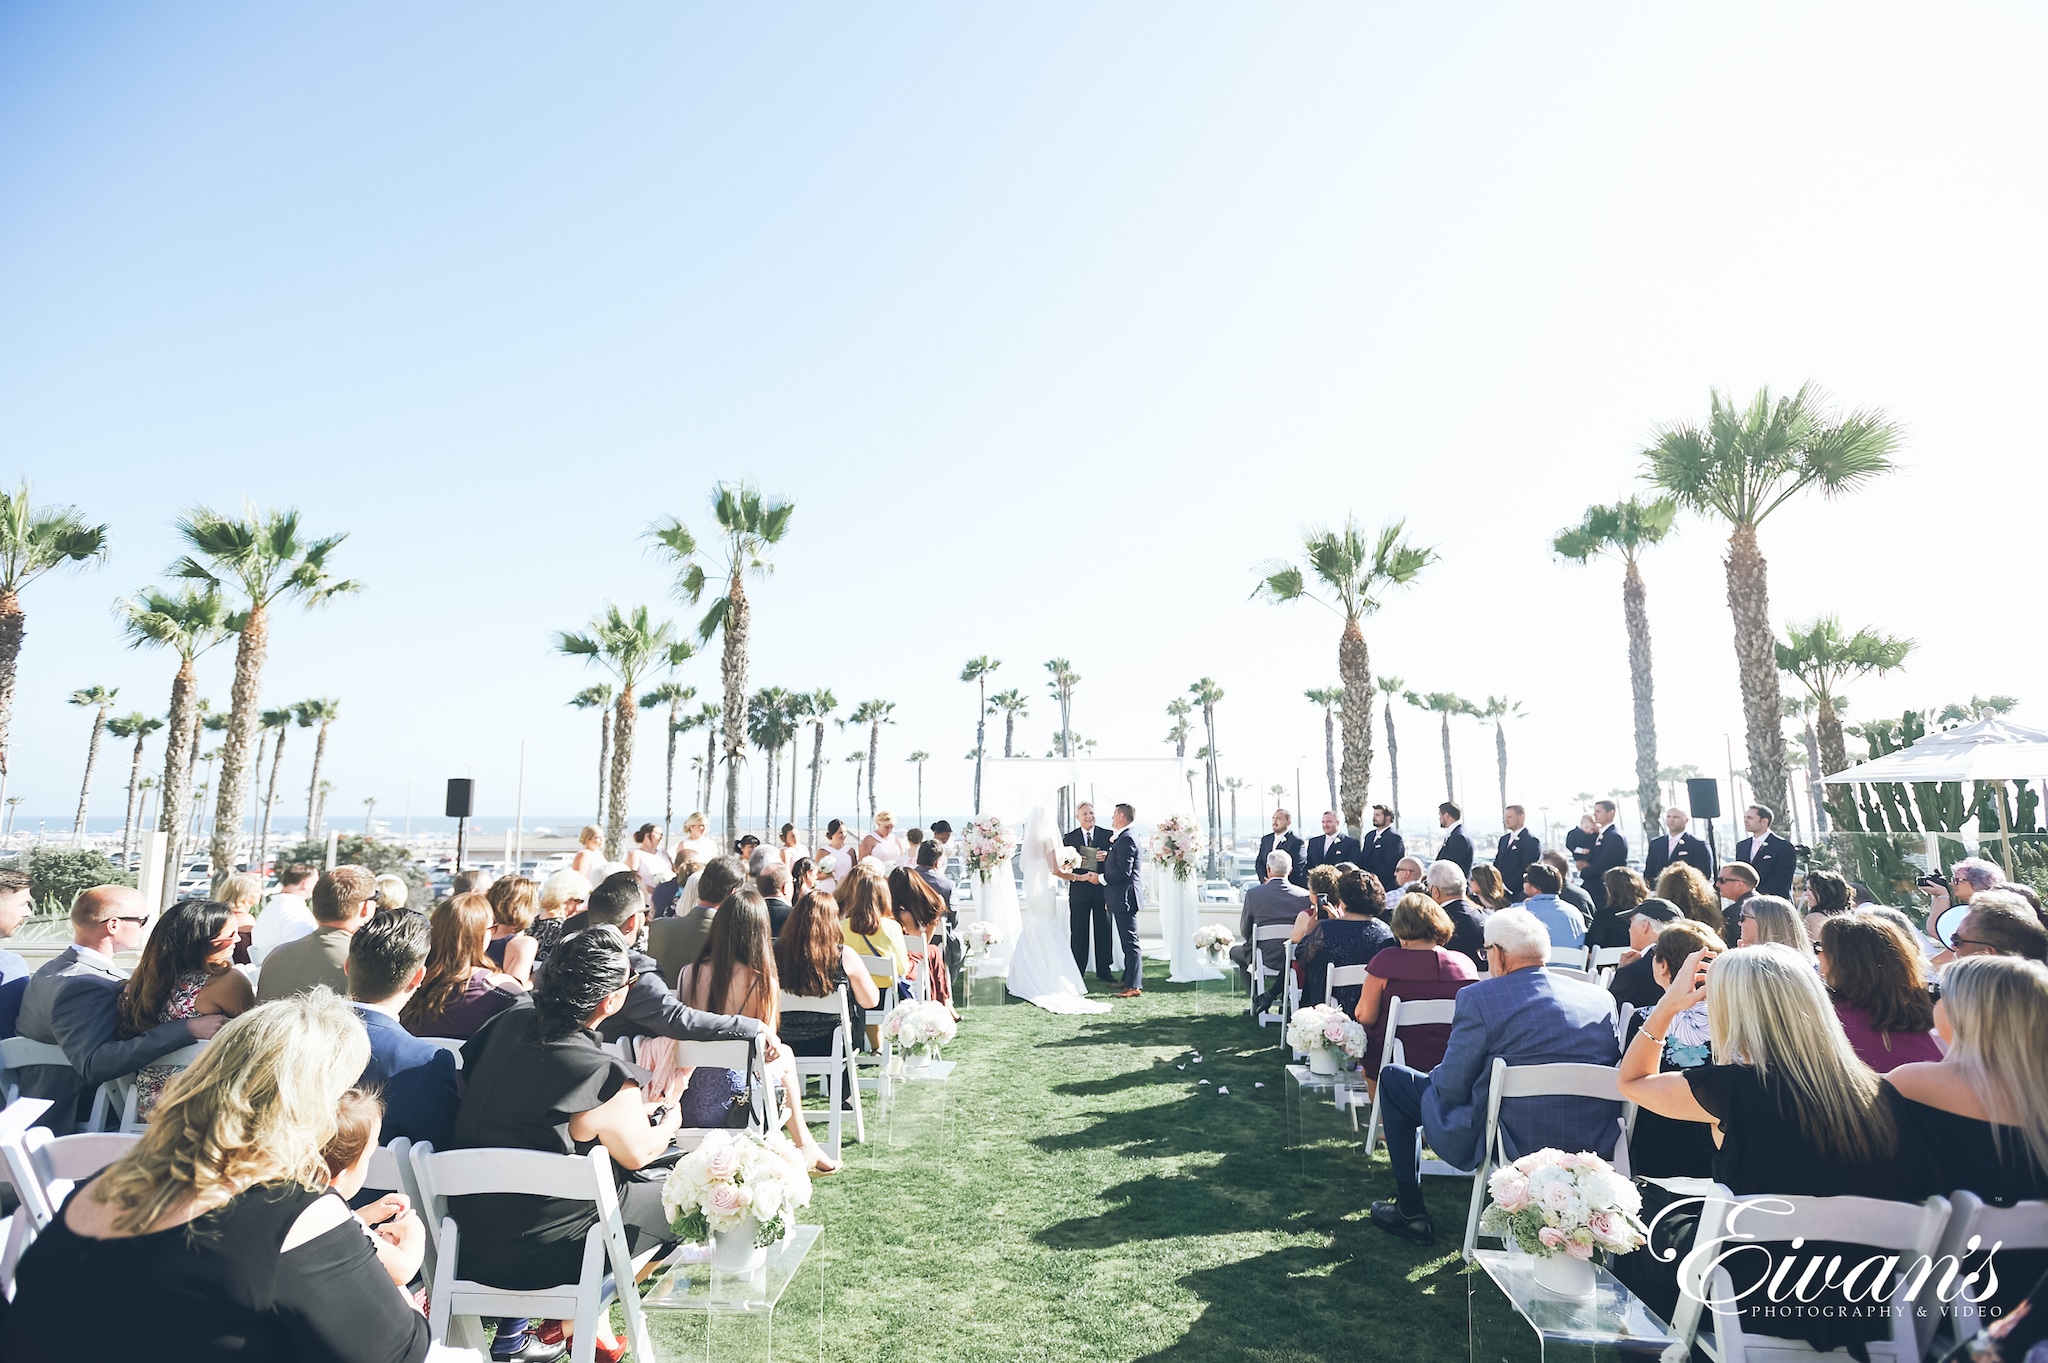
(1071, 1194)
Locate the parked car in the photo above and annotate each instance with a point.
(1217, 892)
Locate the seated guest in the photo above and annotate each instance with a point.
(344, 899)
(1999, 923)
(1877, 980)
(1408, 875)
(677, 940)
(921, 913)
(1694, 895)
(1767, 918)
(1624, 889)
(1445, 883)
(1527, 1015)
(1571, 894)
(387, 963)
(812, 959)
(243, 894)
(775, 887)
(474, 881)
(928, 858)
(1733, 883)
(515, 904)
(1826, 896)
(284, 916)
(1420, 968)
(1351, 933)
(1565, 924)
(14, 972)
(1635, 980)
(736, 974)
(868, 922)
(1659, 1147)
(187, 968)
(1486, 889)
(1276, 901)
(539, 1079)
(73, 1001)
(217, 1230)
(393, 893)
(460, 992)
(561, 897)
(358, 1130)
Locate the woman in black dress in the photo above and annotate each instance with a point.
(1350, 933)
(217, 1235)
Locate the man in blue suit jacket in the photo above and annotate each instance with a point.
(386, 962)
(1527, 1015)
(1119, 876)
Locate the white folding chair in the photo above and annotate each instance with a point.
(879, 968)
(1585, 975)
(1260, 972)
(1290, 986)
(764, 1106)
(1562, 1079)
(1622, 1017)
(608, 1269)
(1573, 958)
(921, 982)
(1907, 1229)
(391, 1172)
(1402, 1014)
(1605, 961)
(124, 1091)
(2024, 1225)
(20, 1053)
(44, 1169)
(842, 1082)
(451, 1044)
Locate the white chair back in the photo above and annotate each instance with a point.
(20, 1053)
(1401, 1014)
(391, 1172)
(835, 1067)
(2022, 1226)
(132, 1120)
(1563, 1079)
(1606, 957)
(1573, 958)
(745, 1057)
(920, 983)
(1263, 933)
(1337, 977)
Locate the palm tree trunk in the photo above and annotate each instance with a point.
(1330, 750)
(234, 762)
(92, 758)
(1450, 790)
(734, 667)
(1834, 756)
(134, 788)
(768, 793)
(1814, 784)
(604, 761)
(1393, 763)
(796, 755)
(874, 753)
(622, 776)
(13, 625)
(1354, 669)
(315, 805)
(1209, 779)
(269, 804)
(1500, 753)
(1763, 703)
(817, 775)
(1009, 730)
(668, 799)
(176, 787)
(980, 747)
(710, 766)
(1636, 615)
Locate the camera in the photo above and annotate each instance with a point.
(1930, 880)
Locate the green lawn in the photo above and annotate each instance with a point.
(1072, 1194)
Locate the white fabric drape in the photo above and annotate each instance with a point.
(1180, 913)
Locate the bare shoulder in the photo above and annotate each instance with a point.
(229, 992)
(322, 1216)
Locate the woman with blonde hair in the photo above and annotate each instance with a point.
(696, 841)
(561, 898)
(589, 860)
(882, 844)
(461, 991)
(515, 904)
(393, 893)
(1685, 887)
(1766, 918)
(242, 892)
(218, 1229)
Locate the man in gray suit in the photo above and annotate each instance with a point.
(71, 1002)
(1276, 899)
(675, 941)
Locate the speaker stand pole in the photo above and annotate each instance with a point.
(1713, 853)
(461, 841)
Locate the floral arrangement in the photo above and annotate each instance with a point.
(1177, 844)
(988, 844)
(1213, 938)
(1551, 1203)
(919, 1028)
(1324, 1026)
(734, 1175)
(982, 934)
(1069, 858)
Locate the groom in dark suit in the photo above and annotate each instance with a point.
(1283, 838)
(1119, 878)
(1086, 907)
(1332, 847)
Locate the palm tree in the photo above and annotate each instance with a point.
(817, 708)
(143, 788)
(1822, 660)
(749, 525)
(1392, 686)
(769, 727)
(1012, 703)
(629, 645)
(326, 788)
(976, 671)
(857, 757)
(673, 694)
(1624, 530)
(99, 700)
(1500, 709)
(281, 721)
(1444, 704)
(1355, 571)
(188, 621)
(139, 727)
(1234, 785)
(264, 556)
(1178, 709)
(322, 712)
(920, 757)
(709, 716)
(1207, 694)
(599, 697)
(369, 811)
(874, 714)
(33, 541)
(1743, 465)
(1329, 697)
(1064, 680)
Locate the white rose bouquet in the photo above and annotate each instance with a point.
(1552, 1203)
(1214, 938)
(919, 1028)
(987, 844)
(1177, 845)
(734, 1175)
(982, 934)
(1069, 858)
(1326, 1027)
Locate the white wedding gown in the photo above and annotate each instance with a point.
(1042, 969)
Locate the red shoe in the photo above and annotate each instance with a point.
(551, 1332)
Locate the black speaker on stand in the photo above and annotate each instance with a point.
(461, 791)
(1703, 794)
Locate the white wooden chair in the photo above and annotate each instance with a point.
(1605, 961)
(44, 1169)
(20, 1053)
(1260, 972)
(879, 968)
(1401, 1014)
(609, 1269)
(1344, 1096)
(2022, 1226)
(763, 1099)
(1572, 958)
(1906, 1229)
(836, 1068)
(1622, 1017)
(1563, 1079)
(920, 983)
(1586, 976)
(126, 1095)
(391, 1172)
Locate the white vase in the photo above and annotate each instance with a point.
(1322, 1060)
(917, 1062)
(1563, 1276)
(734, 1251)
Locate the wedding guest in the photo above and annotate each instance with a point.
(1485, 888)
(1769, 853)
(515, 904)
(646, 860)
(1676, 847)
(912, 840)
(835, 858)
(243, 894)
(216, 1230)
(787, 846)
(562, 896)
(1568, 892)
(696, 841)
(343, 900)
(803, 878)
(1577, 842)
(1635, 978)
(1275, 901)
(1408, 874)
(285, 916)
(186, 970)
(474, 881)
(1456, 847)
(1878, 981)
(1694, 895)
(1445, 884)
(1608, 849)
(1382, 850)
(1662, 1147)
(868, 922)
(921, 913)
(387, 963)
(1998, 923)
(929, 858)
(1331, 847)
(942, 835)
(1767, 918)
(773, 885)
(1735, 882)
(1826, 896)
(1322, 896)
(1566, 926)
(1517, 848)
(358, 1129)
(676, 941)
(681, 889)
(882, 844)
(1283, 838)
(15, 907)
(1625, 889)
(1419, 969)
(589, 861)
(1352, 932)
(393, 893)
(812, 959)
(461, 992)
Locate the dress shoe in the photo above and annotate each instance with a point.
(1130, 993)
(534, 1350)
(1416, 1230)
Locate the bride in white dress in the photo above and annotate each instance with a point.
(1042, 969)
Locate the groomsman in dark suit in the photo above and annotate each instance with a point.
(1676, 846)
(1769, 852)
(1280, 839)
(1332, 846)
(1383, 849)
(1608, 851)
(1456, 847)
(1518, 849)
(1086, 904)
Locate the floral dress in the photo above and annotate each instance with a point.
(182, 1003)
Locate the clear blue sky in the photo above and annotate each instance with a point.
(1053, 320)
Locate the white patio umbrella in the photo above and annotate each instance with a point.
(1992, 749)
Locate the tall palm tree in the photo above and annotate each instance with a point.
(874, 714)
(189, 621)
(769, 728)
(1444, 704)
(1234, 785)
(278, 721)
(266, 559)
(1012, 703)
(1822, 659)
(322, 712)
(1354, 571)
(99, 700)
(1329, 697)
(147, 784)
(920, 757)
(599, 698)
(139, 727)
(709, 717)
(1064, 680)
(1392, 686)
(33, 541)
(749, 525)
(1625, 529)
(629, 645)
(856, 757)
(1208, 695)
(1745, 463)
(1179, 708)
(326, 788)
(976, 671)
(672, 694)
(818, 707)
(1499, 709)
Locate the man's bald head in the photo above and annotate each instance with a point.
(102, 902)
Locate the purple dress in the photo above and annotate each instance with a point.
(1433, 974)
(479, 1002)
(1884, 1051)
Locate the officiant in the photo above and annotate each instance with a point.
(1085, 902)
